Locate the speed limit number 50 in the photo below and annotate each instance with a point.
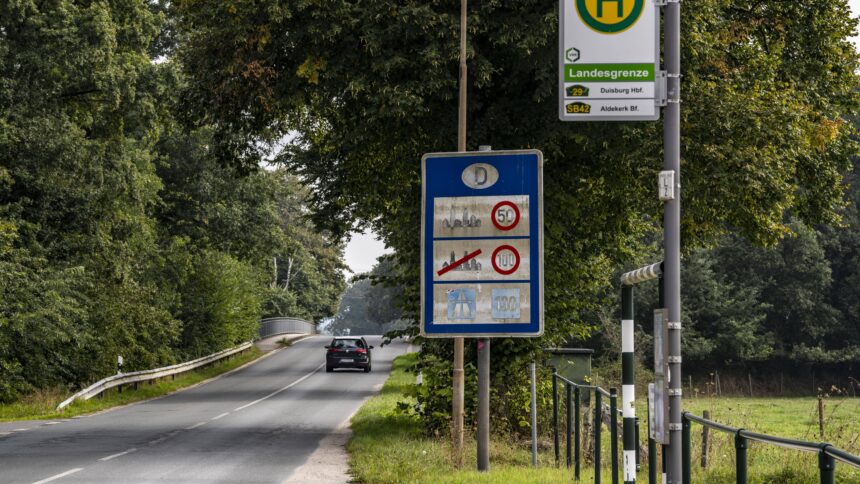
(506, 215)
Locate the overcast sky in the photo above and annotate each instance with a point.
(362, 252)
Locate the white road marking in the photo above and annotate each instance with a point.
(52, 423)
(282, 389)
(64, 474)
(198, 424)
(104, 459)
(221, 416)
(5, 433)
(21, 430)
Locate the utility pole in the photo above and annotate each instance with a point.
(672, 231)
(458, 390)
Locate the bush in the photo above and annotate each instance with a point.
(221, 303)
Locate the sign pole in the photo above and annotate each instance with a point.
(672, 231)
(484, 404)
(458, 390)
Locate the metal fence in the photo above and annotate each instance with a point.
(573, 403)
(275, 326)
(827, 454)
(147, 375)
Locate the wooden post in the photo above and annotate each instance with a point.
(458, 380)
(705, 430)
(749, 379)
(821, 418)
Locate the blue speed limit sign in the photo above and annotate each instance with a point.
(482, 244)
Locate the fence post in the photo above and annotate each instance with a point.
(740, 458)
(652, 454)
(598, 420)
(613, 432)
(532, 371)
(686, 456)
(826, 466)
(555, 414)
(705, 432)
(569, 424)
(636, 439)
(576, 437)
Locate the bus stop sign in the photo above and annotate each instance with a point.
(482, 244)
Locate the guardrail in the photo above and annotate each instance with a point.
(275, 326)
(146, 375)
(827, 454)
(573, 399)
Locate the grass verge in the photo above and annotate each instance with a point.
(388, 446)
(43, 404)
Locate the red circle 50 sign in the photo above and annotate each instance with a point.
(506, 215)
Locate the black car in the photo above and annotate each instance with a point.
(348, 352)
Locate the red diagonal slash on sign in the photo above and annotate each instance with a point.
(457, 263)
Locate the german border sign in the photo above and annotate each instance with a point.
(482, 244)
(608, 59)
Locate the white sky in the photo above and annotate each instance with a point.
(363, 250)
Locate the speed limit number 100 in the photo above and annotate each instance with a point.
(506, 215)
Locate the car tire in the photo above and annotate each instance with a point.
(367, 369)
(329, 369)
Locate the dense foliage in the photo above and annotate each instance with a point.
(134, 218)
(120, 231)
(370, 86)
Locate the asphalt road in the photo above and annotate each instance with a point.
(258, 424)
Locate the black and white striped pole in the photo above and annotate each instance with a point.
(628, 388)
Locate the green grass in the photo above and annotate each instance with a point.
(389, 446)
(795, 418)
(43, 404)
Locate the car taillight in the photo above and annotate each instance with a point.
(361, 350)
(332, 350)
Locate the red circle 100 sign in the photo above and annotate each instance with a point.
(506, 260)
(506, 215)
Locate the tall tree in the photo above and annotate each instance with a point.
(371, 86)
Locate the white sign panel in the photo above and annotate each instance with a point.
(608, 59)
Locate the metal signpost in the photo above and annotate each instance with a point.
(609, 59)
(482, 255)
(609, 71)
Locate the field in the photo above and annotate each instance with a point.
(384, 435)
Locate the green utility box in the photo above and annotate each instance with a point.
(572, 363)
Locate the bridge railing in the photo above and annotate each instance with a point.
(275, 326)
(147, 375)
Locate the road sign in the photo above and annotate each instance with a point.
(482, 244)
(608, 61)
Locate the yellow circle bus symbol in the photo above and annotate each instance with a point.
(609, 16)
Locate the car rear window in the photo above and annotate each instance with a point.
(347, 343)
